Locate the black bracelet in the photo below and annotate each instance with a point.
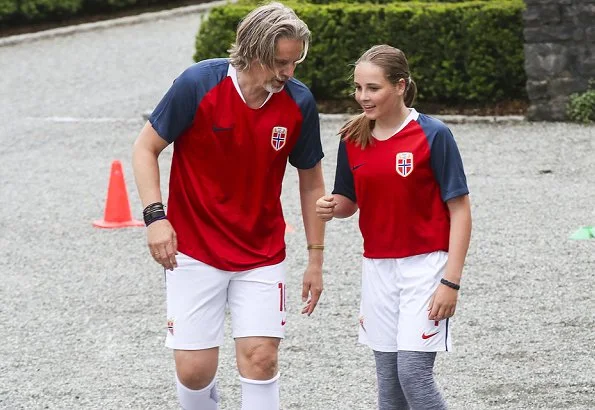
(154, 212)
(153, 217)
(450, 284)
(149, 221)
(155, 206)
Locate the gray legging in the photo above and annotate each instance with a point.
(406, 381)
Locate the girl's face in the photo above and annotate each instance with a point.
(377, 96)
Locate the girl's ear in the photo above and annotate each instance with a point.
(401, 86)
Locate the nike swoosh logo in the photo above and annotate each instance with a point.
(424, 336)
(217, 129)
(357, 166)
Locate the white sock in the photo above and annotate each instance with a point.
(260, 394)
(204, 399)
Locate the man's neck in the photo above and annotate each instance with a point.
(254, 93)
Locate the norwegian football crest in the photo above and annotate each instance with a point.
(279, 137)
(404, 163)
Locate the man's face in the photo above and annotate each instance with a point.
(287, 53)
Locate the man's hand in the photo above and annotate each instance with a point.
(325, 208)
(312, 287)
(163, 243)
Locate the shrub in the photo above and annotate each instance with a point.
(581, 107)
(458, 52)
(17, 12)
(7, 9)
(48, 9)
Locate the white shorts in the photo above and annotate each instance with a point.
(394, 306)
(197, 295)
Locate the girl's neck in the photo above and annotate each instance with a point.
(384, 128)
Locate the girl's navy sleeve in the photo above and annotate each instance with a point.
(344, 184)
(447, 165)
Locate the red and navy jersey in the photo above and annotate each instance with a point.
(229, 161)
(401, 186)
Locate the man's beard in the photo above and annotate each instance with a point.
(272, 88)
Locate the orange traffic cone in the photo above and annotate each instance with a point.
(117, 208)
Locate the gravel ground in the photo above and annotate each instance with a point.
(83, 309)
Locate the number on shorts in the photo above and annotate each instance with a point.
(281, 297)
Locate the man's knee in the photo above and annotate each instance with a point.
(196, 369)
(258, 360)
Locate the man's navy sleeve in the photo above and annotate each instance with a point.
(307, 151)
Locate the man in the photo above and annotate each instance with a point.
(234, 124)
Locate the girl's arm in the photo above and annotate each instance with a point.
(460, 235)
(443, 303)
(335, 206)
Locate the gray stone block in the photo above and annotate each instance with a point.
(578, 34)
(538, 16)
(558, 108)
(584, 60)
(539, 111)
(578, 14)
(537, 90)
(570, 12)
(546, 60)
(587, 69)
(549, 33)
(554, 110)
(540, 3)
(560, 87)
(559, 54)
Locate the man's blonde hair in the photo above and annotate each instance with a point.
(258, 32)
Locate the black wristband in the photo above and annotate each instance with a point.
(154, 212)
(153, 207)
(154, 216)
(450, 284)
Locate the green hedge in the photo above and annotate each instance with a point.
(381, 1)
(25, 11)
(464, 52)
(41, 9)
(117, 4)
(7, 9)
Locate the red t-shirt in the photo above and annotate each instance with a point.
(228, 164)
(401, 185)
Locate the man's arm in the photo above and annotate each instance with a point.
(312, 188)
(145, 152)
(161, 236)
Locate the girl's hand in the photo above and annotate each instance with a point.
(325, 208)
(443, 303)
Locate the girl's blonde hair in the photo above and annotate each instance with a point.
(395, 67)
(258, 32)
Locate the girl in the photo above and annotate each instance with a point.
(404, 173)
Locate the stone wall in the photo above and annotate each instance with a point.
(559, 54)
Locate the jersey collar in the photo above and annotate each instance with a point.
(413, 116)
(233, 73)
